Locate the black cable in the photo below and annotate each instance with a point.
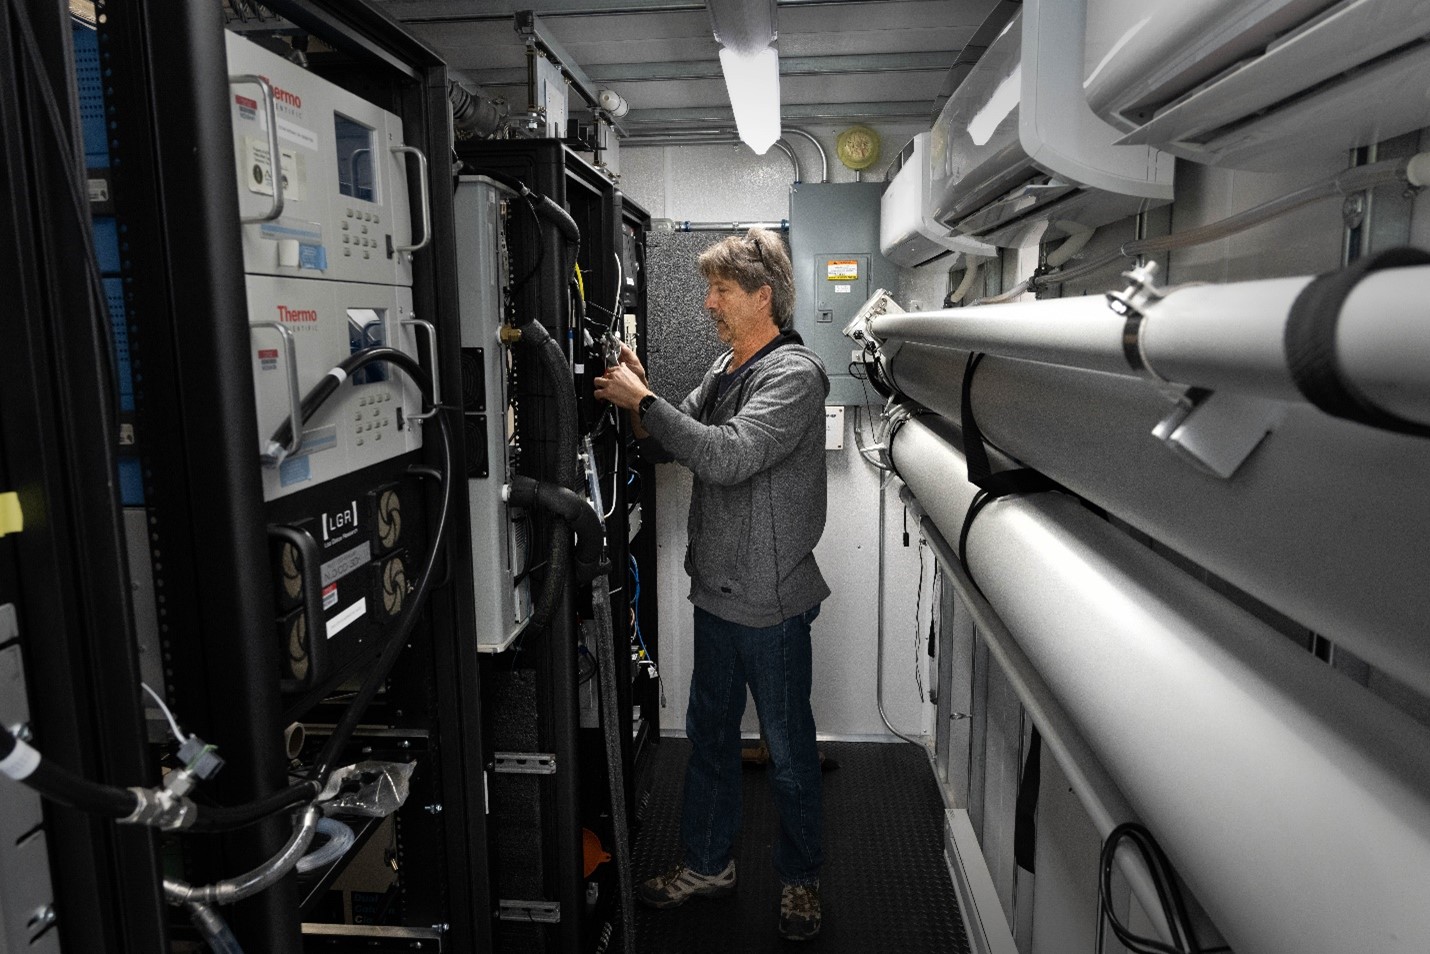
(77, 199)
(343, 731)
(330, 382)
(59, 784)
(1169, 896)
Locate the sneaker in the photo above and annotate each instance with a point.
(680, 884)
(799, 911)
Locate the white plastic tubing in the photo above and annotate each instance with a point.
(1294, 803)
(1209, 336)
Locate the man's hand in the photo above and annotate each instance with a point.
(629, 360)
(622, 386)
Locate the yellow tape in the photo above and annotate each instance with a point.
(12, 516)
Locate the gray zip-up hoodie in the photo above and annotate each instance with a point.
(758, 503)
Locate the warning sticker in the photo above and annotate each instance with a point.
(843, 270)
(346, 618)
(330, 596)
(258, 171)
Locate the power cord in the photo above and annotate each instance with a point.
(1169, 896)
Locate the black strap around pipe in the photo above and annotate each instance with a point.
(1310, 343)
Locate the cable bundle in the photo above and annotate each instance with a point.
(1169, 896)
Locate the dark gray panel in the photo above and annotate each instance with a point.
(680, 337)
(836, 222)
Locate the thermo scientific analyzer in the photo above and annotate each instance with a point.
(328, 232)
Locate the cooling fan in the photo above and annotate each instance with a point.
(296, 638)
(394, 585)
(389, 519)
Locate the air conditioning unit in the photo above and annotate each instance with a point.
(1016, 156)
(907, 235)
(1249, 85)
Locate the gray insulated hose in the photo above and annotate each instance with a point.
(535, 337)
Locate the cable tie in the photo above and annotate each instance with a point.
(22, 761)
(338, 373)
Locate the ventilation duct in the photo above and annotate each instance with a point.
(907, 235)
(1250, 85)
(1017, 157)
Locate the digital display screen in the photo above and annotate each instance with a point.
(367, 330)
(355, 167)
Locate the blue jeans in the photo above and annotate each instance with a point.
(775, 662)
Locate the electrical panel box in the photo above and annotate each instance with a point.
(500, 532)
(834, 248)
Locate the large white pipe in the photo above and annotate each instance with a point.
(1327, 522)
(1099, 795)
(1209, 336)
(1294, 802)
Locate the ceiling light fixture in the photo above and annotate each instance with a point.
(745, 30)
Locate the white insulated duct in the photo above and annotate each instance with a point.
(1208, 336)
(1294, 803)
(1327, 521)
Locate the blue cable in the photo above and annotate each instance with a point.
(636, 604)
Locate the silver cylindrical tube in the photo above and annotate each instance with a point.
(1216, 337)
(1294, 802)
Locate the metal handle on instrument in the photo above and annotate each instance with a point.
(275, 161)
(425, 200)
(274, 454)
(432, 354)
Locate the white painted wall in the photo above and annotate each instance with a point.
(730, 183)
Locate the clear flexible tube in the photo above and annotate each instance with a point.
(340, 838)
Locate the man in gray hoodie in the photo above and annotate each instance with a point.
(752, 434)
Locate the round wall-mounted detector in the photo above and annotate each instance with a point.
(857, 147)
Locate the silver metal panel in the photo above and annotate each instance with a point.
(1003, 754)
(20, 811)
(497, 530)
(1161, 674)
(26, 898)
(835, 221)
(977, 898)
(1066, 855)
(146, 612)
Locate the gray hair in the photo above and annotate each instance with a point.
(758, 258)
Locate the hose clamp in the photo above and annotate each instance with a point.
(1133, 303)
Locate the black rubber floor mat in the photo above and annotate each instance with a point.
(885, 886)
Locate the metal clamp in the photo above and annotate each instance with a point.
(436, 381)
(530, 912)
(1132, 303)
(425, 199)
(274, 454)
(275, 160)
(524, 763)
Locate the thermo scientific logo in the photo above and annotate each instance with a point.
(296, 315)
(281, 95)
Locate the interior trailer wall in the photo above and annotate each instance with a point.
(728, 183)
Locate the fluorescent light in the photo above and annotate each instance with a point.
(753, 81)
